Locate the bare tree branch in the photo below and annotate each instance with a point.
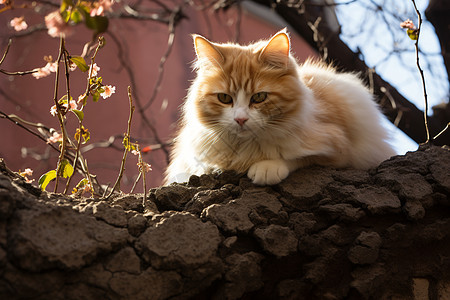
(172, 25)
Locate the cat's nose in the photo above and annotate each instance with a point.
(241, 121)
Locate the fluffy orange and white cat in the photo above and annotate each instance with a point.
(254, 109)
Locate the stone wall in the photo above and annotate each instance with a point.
(320, 234)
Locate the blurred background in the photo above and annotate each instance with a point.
(149, 48)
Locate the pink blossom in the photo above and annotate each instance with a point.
(94, 69)
(53, 110)
(24, 174)
(56, 137)
(407, 24)
(28, 172)
(134, 152)
(52, 66)
(56, 25)
(18, 24)
(41, 72)
(72, 66)
(144, 166)
(101, 6)
(46, 70)
(87, 188)
(73, 104)
(109, 90)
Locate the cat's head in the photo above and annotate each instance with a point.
(246, 90)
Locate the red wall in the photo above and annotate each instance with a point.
(143, 43)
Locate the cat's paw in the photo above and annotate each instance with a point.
(268, 172)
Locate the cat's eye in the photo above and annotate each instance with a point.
(259, 97)
(224, 98)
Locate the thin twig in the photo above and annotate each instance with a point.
(425, 112)
(331, 4)
(135, 182)
(101, 42)
(125, 152)
(77, 154)
(318, 38)
(80, 122)
(143, 170)
(173, 19)
(442, 131)
(19, 73)
(13, 118)
(6, 51)
(59, 113)
(66, 71)
(89, 178)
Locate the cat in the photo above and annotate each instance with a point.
(255, 109)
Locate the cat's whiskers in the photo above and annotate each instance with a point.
(274, 130)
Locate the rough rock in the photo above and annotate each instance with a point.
(440, 173)
(277, 240)
(236, 215)
(39, 239)
(203, 199)
(178, 239)
(243, 275)
(343, 212)
(137, 223)
(365, 249)
(378, 200)
(149, 284)
(113, 215)
(172, 197)
(320, 234)
(304, 186)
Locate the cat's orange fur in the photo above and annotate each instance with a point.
(310, 114)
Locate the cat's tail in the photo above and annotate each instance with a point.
(373, 146)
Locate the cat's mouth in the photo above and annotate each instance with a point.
(243, 131)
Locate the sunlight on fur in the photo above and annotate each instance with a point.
(255, 109)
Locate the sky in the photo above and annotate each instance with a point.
(385, 46)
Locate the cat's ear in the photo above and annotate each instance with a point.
(276, 51)
(207, 52)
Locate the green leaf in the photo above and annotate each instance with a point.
(76, 17)
(80, 62)
(65, 4)
(129, 145)
(97, 80)
(66, 169)
(79, 114)
(98, 23)
(63, 99)
(83, 182)
(126, 142)
(45, 179)
(85, 134)
(84, 10)
(65, 15)
(134, 146)
(413, 34)
(95, 96)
